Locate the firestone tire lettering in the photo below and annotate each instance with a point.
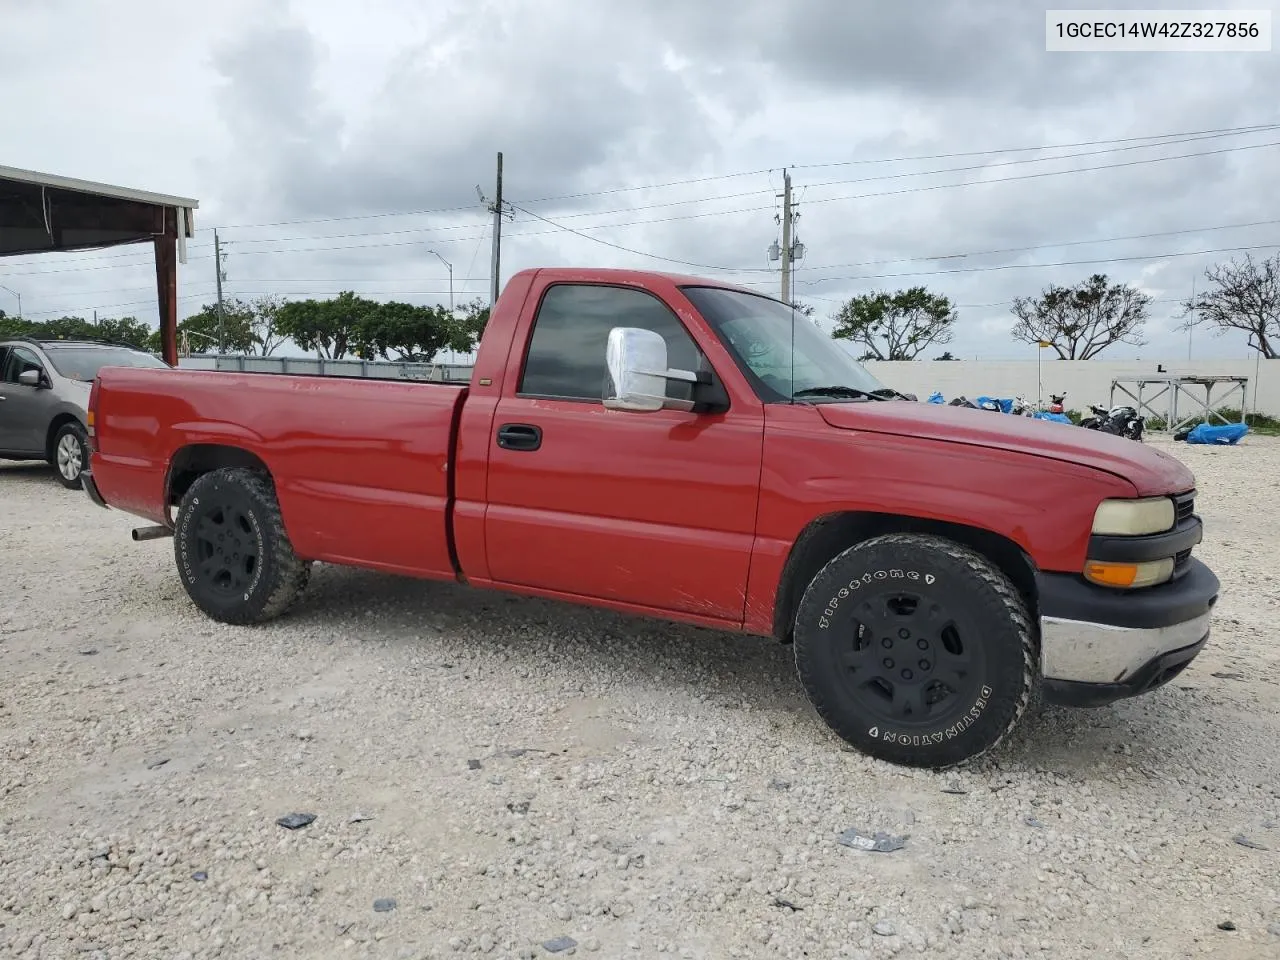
(967, 586)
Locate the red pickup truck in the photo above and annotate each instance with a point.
(690, 450)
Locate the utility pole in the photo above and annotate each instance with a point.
(786, 237)
(496, 207)
(217, 265)
(791, 249)
(16, 294)
(496, 266)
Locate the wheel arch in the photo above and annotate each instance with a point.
(193, 461)
(828, 535)
(60, 420)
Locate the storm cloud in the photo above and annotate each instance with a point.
(339, 146)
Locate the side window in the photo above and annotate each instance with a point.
(566, 352)
(4, 363)
(20, 359)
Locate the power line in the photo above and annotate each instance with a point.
(1037, 266)
(607, 243)
(1048, 246)
(1220, 131)
(602, 226)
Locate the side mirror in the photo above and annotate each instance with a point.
(31, 378)
(637, 362)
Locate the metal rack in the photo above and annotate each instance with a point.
(1174, 389)
(310, 366)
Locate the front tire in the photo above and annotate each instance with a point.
(916, 650)
(234, 556)
(70, 454)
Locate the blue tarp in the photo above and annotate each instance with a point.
(1005, 404)
(1055, 417)
(936, 397)
(1227, 433)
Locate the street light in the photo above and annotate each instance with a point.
(449, 266)
(16, 294)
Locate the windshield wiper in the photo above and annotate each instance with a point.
(837, 391)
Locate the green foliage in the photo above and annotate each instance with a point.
(344, 326)
(948, 355)
(349, 325)
(332, 328)
(896, 326)
(204, 331)
(128, 330)
(1080, 322)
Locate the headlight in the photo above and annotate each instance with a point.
(1134, 518)
(1128, 576)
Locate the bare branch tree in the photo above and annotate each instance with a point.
(896, 326)
(1080, 322)
(1244, 296)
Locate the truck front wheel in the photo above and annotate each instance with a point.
(916, 650)
(233, 554)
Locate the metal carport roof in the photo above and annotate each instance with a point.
(44, 212)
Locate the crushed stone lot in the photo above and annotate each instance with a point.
(505, 777)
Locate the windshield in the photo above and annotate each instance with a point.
(758, 331)
(83, 363)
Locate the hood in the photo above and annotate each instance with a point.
(1151, 471)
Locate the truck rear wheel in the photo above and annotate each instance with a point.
(916, 650)
(233, 554)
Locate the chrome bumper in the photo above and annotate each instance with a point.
(1082, 652)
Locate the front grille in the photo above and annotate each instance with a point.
(1185, 506)
(1181, 557)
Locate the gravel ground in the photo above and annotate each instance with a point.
(489, 774)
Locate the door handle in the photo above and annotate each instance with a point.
(519, 436)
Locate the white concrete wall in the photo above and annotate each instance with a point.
(1085, 381)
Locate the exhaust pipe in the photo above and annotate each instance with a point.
(151, 533)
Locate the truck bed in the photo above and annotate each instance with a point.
(362, 465)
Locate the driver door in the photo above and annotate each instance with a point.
(25, 412)
(657, 509)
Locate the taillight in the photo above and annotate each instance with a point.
(90, 418)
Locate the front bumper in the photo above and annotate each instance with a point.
(91, 488)
(1099, 645)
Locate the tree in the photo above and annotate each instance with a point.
(266, 309)
(896, 326)
(207, 332)
(1080, 322)
(415, 334)
(332, 328)
(947, 356)
(128, 330)
(468, 325)
(1245, 296)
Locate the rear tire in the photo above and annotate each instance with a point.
(70, 454)
(916, 650)
(234, 556)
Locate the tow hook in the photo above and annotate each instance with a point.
(151, 533)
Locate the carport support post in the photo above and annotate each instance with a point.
(166, 245)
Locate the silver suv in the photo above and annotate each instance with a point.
(44, 393)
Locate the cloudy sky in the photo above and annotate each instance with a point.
(335, 145)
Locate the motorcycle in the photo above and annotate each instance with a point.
(1122, 421)
(1055, 402)
(1021, 408)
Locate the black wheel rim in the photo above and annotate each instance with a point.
(908, 660)
(226, 548)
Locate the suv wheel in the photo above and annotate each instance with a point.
(70, 454)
